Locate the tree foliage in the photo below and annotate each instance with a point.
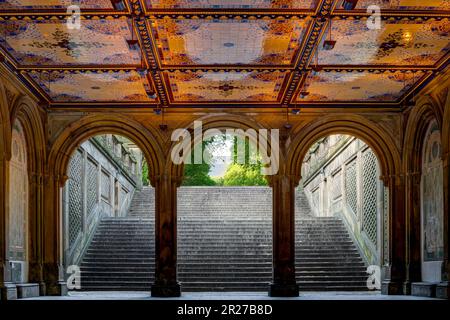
(198, 174)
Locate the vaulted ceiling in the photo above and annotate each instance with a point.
(190, 53)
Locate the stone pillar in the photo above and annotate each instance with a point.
(395, 270)
(53, 267)
(284, 282)
(413, 231)
(8, 290)
(36, 266)
(166, 284)
(443, 289)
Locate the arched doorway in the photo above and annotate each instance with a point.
(18, 206)
(341, 211)
(225, 217)
(432, 205)
(108, 214)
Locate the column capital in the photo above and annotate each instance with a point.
(37, 178)
(393, 178)
(155, 179)
(292, 177)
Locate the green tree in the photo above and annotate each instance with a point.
(247, 174)
(243, 175)
(145, 180)
(198, 174)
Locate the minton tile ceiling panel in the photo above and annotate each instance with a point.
(232, 4)
(230, 41)
(50, 42)
(403, 4)
(54, 4)
(405, 43)
(222, 86)
(358, 86)
(120, 86)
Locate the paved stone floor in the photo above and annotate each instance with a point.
(230, 296)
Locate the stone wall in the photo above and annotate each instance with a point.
(102, 178)
(341, 178)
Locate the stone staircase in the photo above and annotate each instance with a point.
(121, 255)
(224, 244)
(326, 257)
(143, 204)
(227, 244)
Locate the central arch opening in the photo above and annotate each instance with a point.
(225, 219)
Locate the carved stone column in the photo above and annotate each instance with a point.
(53, 270)
(36, 263)
(284, 282)
(413, 231)
(166, 284)
(8, 290)
(395, 270)
(443, 289)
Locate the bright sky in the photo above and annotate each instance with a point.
(221, 158)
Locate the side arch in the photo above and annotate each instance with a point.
(385, 148)
(375, 136)
(56, 175)
(419, 120)
(81, 130)
(28, 115)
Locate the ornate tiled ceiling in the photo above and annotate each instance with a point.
(54, 4)
(232, 4)
(219, 53)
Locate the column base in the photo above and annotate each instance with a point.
(391, 288)
(407, 288)
(27, 290)
(423, 289)
(284, 290)
(166, 290)
(443, 290)
(8, 291)
(56, 289)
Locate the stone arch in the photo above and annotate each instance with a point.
(431, 200)
(18, 213)
(385, 148)
(58, 161)
(89, 126)
(446, 158)
(373, 135)
(27, 113)
(422, 115)
(214, 122)
(5, 125)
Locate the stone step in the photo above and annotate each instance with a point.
(93, 277)
(105, 287)
(214, 278)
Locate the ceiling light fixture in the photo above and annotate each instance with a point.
(133, 43)
(163, 126)
(296, 111)
(304, 94)
(157, 111)
(349, 4)
(287, 125)
(118, 5)
(329, 44)
(316, 68)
